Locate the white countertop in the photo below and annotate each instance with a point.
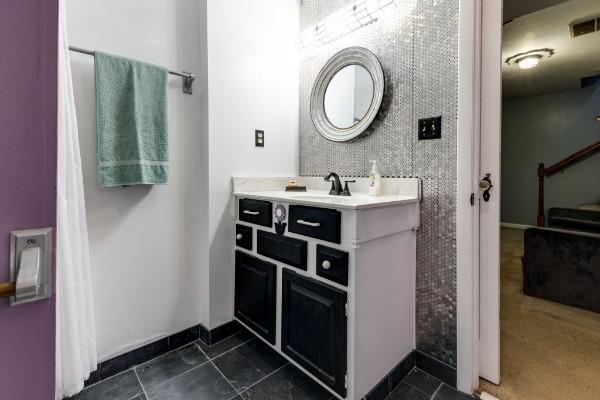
(323, 198)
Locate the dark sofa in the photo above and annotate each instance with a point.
(562, 266)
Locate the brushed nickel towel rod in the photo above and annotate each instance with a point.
(188, 78)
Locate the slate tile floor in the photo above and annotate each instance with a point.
(238, 368)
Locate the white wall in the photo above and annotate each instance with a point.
(148, 244)
(253, 84)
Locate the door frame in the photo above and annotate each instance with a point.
(479, 95)
(489, 225)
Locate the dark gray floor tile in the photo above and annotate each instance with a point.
(226, 344)
(285, 384)
(406, 392)
(123, 386)
(247, 364)
(448, 393)
(201, 383)
(170, 365)
(423, 381)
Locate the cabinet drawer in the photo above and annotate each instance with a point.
(243, 236)
(332, 264)
(255, 294)
(320, 223)
(256, 212)
(313, 328)
(281, 248)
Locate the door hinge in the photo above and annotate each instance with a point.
(346, 309)
(472, 199)
(346, 381)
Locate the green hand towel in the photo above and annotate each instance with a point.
(131, 122)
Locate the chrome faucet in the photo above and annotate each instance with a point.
(336, 185)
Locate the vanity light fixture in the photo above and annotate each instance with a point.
(530, 59)
(344, 21)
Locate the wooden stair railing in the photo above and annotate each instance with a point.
(559, 166)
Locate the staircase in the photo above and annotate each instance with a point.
(544, 172)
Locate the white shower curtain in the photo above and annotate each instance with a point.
(76, 354)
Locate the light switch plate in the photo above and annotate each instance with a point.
(430, 128)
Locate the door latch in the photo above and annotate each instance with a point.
(485, 185)
(31, 265)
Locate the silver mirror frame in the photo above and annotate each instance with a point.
(350, 56)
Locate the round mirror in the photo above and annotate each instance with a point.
(347, 94)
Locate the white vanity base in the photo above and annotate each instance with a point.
(381, 243)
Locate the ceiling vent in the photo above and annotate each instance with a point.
(585, 27)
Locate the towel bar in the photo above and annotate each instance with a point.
(188, 78)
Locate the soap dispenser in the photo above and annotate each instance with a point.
(374, 179)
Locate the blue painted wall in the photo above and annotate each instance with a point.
(547, 129)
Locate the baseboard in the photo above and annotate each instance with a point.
(114, 366)
(432, 366)
(444, 372)
(515, 226)
(388, 383)
(223, 331)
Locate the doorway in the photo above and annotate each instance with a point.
(549, 342)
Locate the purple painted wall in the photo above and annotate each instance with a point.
(28, 70)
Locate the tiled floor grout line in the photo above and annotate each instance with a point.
(133, 367)
(132, 398)
(237, 393)
(437, 390)
(96, 383)
(195, 343)
(178, 375)
(414, 387)
(265, 377)
(141, 384)
(227, 351)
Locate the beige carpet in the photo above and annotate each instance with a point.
(548, 351)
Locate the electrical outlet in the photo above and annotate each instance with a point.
(430, 128)
(259, 138)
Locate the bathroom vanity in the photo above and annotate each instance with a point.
(329, 281)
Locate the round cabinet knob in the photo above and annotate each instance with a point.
(239, 236)
(326, 264)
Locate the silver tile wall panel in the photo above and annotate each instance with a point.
(417, 45)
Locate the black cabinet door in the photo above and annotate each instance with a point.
(314, 328)
(255, 282)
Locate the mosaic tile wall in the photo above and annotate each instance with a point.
(417, 45)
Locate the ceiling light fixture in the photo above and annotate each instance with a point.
(598, 118)
(530, 59)
(344, 21)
